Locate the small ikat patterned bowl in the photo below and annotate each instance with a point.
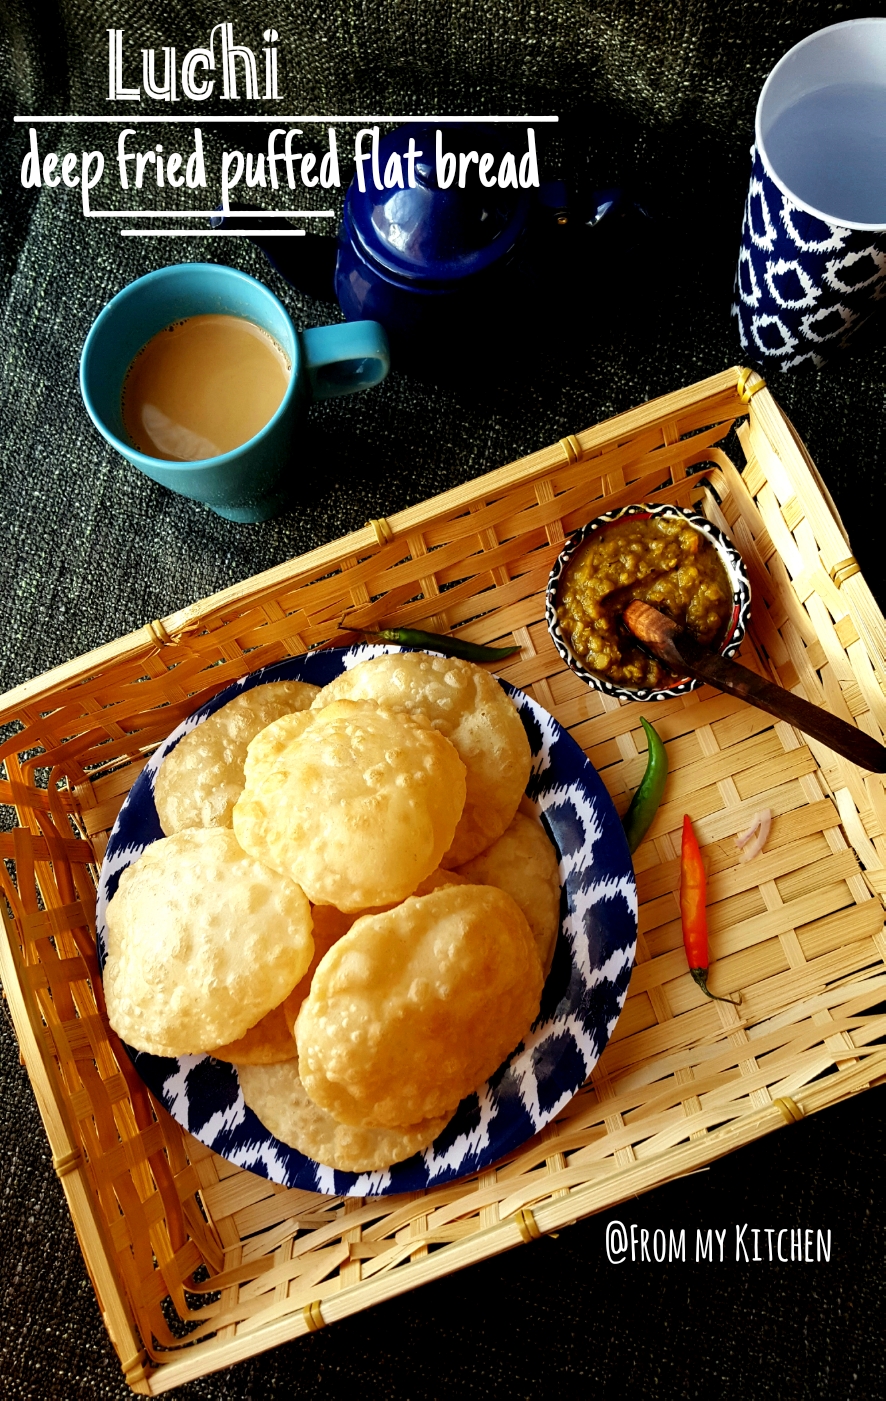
(736, 573)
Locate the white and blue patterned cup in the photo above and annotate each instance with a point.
(812, 266)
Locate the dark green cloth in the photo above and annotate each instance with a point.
(660, 97)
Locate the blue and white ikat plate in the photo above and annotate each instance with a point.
(581, 1002)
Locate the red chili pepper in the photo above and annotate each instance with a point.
(693, 912)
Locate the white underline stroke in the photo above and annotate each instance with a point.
(210, 214)
(209, 233)
(198, 119)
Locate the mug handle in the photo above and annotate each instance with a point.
(346, 358)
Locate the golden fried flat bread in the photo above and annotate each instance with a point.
(524, 863)
(203, 941)
(202, 778)
(265, 750)
(276, 1094)
(272, 1039)
(467, 705)
(359, 807)
(437, 880)
(416, 1007)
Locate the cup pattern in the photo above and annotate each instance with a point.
(803, 285)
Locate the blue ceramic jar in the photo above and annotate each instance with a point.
(431, 263)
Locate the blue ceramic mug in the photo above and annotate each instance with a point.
(812, 266)
(251, 482)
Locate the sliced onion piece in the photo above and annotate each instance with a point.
(754, 847)
(743, 838)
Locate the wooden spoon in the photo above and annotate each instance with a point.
(683, 655)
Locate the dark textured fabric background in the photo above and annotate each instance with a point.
(653, 94)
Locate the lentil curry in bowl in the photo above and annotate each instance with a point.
(664, 555)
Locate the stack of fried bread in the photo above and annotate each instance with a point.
(350, 904)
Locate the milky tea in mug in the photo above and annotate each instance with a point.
(202, 387)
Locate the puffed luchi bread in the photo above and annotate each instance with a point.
(202, 778)
(524, 863)
(275, 1093)
(203, 941)
(272, 1040)
(468, 706)
(417, 1006)
(358, 808)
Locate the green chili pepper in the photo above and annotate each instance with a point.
(437, 642)
(645, 802)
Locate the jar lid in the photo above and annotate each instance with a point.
(426, 233)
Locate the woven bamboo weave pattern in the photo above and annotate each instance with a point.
(198, 1264)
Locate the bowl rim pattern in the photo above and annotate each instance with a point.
(735, 569)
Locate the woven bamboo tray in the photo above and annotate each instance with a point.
(198, 1264)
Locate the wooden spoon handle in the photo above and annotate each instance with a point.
(680, 652)
(738, 680)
